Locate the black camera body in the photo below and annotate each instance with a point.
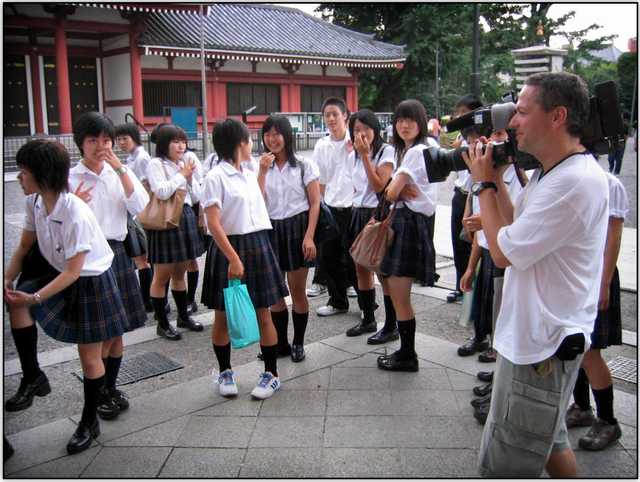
(602, 133)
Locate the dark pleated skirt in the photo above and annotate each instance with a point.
(177, 245)
(127, 281)
(607, 330)
(482, 309)
(88, 311)
(262, 275)
(411, 254)
(286, 240)
(359, 218)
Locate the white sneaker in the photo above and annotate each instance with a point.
(316, 290)
(227, 384)
(351, 292)
(329, 310)
(267, 386)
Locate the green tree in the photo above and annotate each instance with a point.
(627, 75)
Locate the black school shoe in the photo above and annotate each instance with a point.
(383, 337)
(476, 402)
(483, 390)
(120, 398)
(27, 390)
(397, 363)
(472, 346)
(454, 296)
(481, 412)
(107, 409)
(192, 308)
(485, 376)
(189, 323)
(81, 438)
(297, 353)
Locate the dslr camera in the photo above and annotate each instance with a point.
(603, 132)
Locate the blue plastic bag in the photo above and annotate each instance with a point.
(241, 316)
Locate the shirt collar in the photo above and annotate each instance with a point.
(83, 169)
(57, 213)
(228, 168)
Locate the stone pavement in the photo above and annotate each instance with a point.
(336, 415)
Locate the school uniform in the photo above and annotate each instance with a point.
(112, 209)
(365, 199)
(411, 253)
(288, 207)
(607, 329)
(184, 242)
(90, 310)
(245, 220)
(138, 161)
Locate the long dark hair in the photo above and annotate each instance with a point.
(167, 134)
(369, 119)
(409, 109)
(282, 127)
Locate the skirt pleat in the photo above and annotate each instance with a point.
(286, 240)
(262, 275)
(177, 245)
(127, 281)
(607, 329)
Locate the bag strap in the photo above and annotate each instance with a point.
(234, 282)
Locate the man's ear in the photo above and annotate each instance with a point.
(560, 115)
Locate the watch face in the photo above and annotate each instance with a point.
(475, 187)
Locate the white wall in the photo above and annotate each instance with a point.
(117, 77)
(236, 66)
(339, 71)
(154, 62)
(186, 63)
(115, 42)
(306, 69)
(269, 68)
(116, 114)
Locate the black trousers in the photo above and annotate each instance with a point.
(320, 273)
(337, 262)
(461, 249)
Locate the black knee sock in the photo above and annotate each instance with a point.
(145, 276)
(270, 356)
(92, 390)
(166, 290)
(299, 326)
(604, 404)
(407, 331)
(223, 354)
(281, 324)
(26, 340)
(192, 285)
(111, 369)
(367, 303)
(390, 322)
(159, 310)
(180, 297)
(581, 391)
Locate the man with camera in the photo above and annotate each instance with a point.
(552, 249)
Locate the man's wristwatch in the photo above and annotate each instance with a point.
(478, 187)
(121, 170)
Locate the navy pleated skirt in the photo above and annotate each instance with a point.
(286, 240)
(411, 254)
(129, 287)
(177, 245)
(262, 275)
(607, 330)
(359, 218)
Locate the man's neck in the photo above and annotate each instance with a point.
(94, 166)
(338, 135)
(558, 151)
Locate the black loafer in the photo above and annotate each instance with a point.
(454, 296)
(472, 346)
(483, 390)
(27, 390)
(189, 323)
(395, 363)
(480, 413)
(383, 337)
(361, 329)
(81, 439)
(170, 333)
(283, 352)
(476, 402)
(120, 398)
(107, 409)
(297, 353)
(488, 356)
(192, 308)
(485, 376)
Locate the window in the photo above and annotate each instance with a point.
(16, 102)
(241, 97)
(313, 96)
(158, 94)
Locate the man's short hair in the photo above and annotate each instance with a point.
(337, 101)
(130, 130)
(567, 90)
(92, 124)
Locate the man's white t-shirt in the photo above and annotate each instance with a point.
(555, 246)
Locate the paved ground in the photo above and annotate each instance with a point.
(337, 415)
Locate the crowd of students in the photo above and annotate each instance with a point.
(256, 219)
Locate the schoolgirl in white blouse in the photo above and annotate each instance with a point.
(238, 220)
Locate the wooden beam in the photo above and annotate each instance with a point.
(76, 25)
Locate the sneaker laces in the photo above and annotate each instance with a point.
(265, 379)
(225, 378)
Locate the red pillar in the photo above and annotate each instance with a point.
(295, 104)
(220, 100)
(136, 75)
(37, 95)
(62, 78)
(284, 98)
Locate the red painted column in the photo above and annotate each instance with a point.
(136, 75)
(37, 95)
(220, 100)
(295, 104)
(354, 75)
(284, 98)
(62, 78)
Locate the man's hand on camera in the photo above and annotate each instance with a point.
(481, 165)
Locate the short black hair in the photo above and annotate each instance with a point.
(165, 135)
(562, 89)
(469, 101)
(227, 136)
(48, 161)
(409, 109)
(368, 118)
(153, 137)
(283, 127)
(92, 124)
(338, 102)
(130, 130)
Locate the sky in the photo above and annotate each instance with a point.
(615, 18)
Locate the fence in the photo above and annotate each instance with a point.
(11, 145)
